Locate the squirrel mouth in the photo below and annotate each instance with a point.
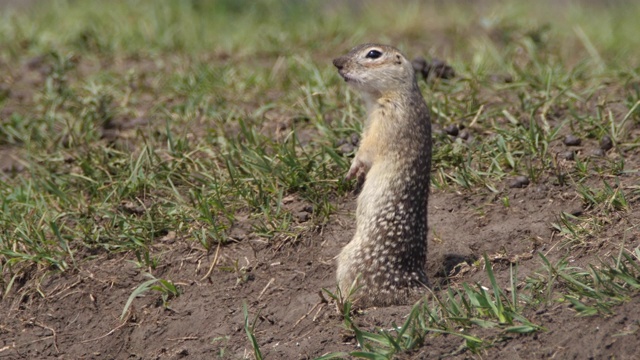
(345, 76)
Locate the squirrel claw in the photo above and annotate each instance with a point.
(357, 170)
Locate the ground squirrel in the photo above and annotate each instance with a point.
(386, 258)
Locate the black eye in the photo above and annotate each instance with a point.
(373, 54)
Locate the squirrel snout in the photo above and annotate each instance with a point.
(339, 62)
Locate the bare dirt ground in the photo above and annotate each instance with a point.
(78, 314)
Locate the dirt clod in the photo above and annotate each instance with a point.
(436, 68)
(452, 130)
(302, 216)
(355, 139)
(501, 78)
(441, 69)
(606, 143)
(419, 64)
(519, 182)
(346, 148)
(576, 212)
(572, 140)
(567, 155)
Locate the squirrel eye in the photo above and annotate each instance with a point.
(373, 54)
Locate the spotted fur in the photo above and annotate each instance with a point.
(385, 260)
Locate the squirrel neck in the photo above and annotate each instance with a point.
(393, 114)
(374, 99)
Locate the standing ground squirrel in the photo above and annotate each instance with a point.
(386, 258)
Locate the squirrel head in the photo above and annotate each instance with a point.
(376, 69)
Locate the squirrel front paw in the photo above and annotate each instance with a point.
(358, 170)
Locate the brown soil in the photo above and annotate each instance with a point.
(77, 315)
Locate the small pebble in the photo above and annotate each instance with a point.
(576, 212)
(519, 182)
(464, 134)
(437, 68)
(302, 216)
(355, 139)
(572, 140)
(606, 143)
(568, 155)
(307, 208)
(183, 353)
(441, 69)
(346, 148)
(238, 234)
(419, 64)
(451, 130)
(598, 152)
(501, 78)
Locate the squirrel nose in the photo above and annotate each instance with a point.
(339, 62)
